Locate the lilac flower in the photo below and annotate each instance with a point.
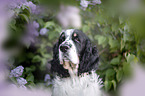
(33, 29)
(94, 2)
(17, 71)
(31, 33)
(43, 31)
(47, 77)
(15, 3)
(21, 81)
(84, 4)
(35, 24)
(31, 5)
(12, 4)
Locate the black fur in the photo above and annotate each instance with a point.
(88, 56)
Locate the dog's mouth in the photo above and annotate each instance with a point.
(71, 67)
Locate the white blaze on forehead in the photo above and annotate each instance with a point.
(68, 32)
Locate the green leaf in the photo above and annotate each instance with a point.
(13, 79)
(49, 24)
(52, 35)
(115, 61)
(114, 84)
(47, 56)
(121, 20)
(113, 43)
(130, 58)
(107, 85)
(43, 62)
(49, 44)
(114, 27)
(58, 29)
(126, 68)
(27, 44)
(106, 29)
(85, 28)
(119, 75)
(127, 37)
(110, 73)
(102, 40)
(126, 28)
(26, 11)
(36, 58)
(24, 17)
(30, 69)
(30, 77)
(122, 45)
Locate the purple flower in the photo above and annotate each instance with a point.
(12, 4)
(94, 2)
(84, 4)
(15, 3)
(31, 33)
(43, 31)
(35, 24)
(32, 29)
(21, 81)
(32, 6)
(47, 78)
(17, 71)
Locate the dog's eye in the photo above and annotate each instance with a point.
(62, 37)
(76, 38)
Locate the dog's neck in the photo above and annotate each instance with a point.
(72, 68)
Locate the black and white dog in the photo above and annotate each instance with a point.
(74, 63)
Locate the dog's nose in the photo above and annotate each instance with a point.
(64, 48)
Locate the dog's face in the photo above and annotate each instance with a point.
(69, 45)
(73, 54)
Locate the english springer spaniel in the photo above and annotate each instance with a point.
(74, 64)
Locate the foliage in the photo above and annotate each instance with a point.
(119, 38)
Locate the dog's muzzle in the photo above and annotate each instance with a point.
(65, 47)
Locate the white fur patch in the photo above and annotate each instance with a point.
(87, 85)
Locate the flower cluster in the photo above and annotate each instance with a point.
(32, 6)
(21, 81)
(43, 31)
(84, 3)
(31, 33)
(13, 4)
(17, 72)
(47, 79)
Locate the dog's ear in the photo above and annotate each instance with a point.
(89, 58)
(56, 67)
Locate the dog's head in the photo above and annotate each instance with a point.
(73, 54)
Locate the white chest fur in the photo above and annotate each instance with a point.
(86, 85)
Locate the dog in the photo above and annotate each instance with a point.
(74, 64)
